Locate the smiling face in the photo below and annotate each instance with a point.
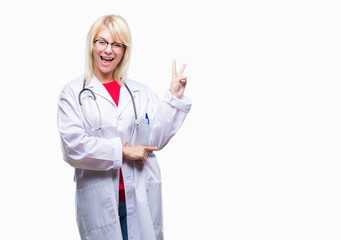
(106, 57)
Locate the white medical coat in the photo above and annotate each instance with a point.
(97, 157)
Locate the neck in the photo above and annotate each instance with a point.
(104, 77)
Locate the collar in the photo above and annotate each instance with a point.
(97, 87)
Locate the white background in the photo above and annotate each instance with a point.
(258, 156)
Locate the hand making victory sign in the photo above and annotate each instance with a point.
(178, 82)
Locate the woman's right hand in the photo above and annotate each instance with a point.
(139, 153)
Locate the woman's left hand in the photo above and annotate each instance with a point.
(178, 82)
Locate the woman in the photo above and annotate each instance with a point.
(109, 127)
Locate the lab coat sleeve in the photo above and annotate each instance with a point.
(168, 118)
(80, 149)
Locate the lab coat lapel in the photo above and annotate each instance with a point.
(125, 98)
(97, 87)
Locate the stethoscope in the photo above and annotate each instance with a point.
(98, 109)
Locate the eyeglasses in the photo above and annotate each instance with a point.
(104, 44)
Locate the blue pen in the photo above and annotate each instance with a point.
(147, 118)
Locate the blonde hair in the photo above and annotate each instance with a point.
(119, 29)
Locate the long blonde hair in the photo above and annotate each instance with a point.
(120, 31)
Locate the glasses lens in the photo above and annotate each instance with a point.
(117, 45)
(101, 43)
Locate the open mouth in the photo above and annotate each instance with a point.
(106, 60)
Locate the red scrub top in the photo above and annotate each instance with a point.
(114, 90)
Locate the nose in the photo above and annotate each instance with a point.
(108, 49)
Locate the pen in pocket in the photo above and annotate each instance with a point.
(147, 118)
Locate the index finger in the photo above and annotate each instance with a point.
(150, 149)
(174, 68)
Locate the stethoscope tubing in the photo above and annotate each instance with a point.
(99, 111)
(132, 99)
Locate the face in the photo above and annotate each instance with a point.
(106, 58)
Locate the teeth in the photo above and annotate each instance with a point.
(107, 59)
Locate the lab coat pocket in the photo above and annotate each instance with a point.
(95, 206)
(154, 201)
(141, 135)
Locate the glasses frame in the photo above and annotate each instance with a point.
(113, 44)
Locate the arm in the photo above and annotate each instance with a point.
(172, 111)
(167, 117)
(79, 148)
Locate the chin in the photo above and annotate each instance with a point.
(106, 69)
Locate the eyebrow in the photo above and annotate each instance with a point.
(106, 40)
(102, 38)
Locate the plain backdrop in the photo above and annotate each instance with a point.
(258, 156)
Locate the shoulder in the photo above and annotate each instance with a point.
(142, 89)
(137, 86)
(72, 88)
(74, 85)
(134, 84)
